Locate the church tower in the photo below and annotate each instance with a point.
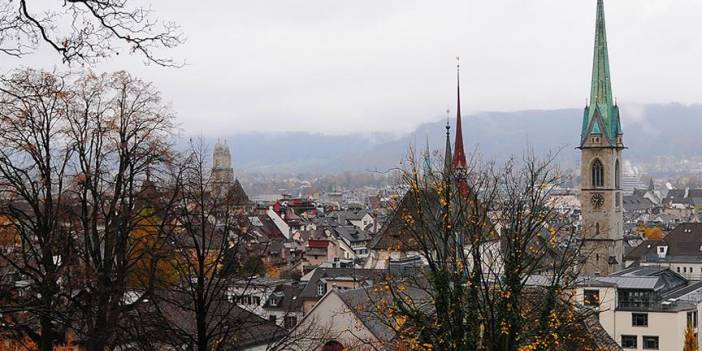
(222, 171)
(601, 148)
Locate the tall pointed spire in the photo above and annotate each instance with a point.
(602, 114)
(448, 157)
(459, 156)
(427, 163)
(601, 92)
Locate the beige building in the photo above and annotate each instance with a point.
(645, 308)
(324, 279)
(338, 319)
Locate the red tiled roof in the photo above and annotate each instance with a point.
(318, 244)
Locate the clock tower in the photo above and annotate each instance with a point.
(601, 147)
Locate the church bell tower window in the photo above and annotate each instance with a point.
(597, 174)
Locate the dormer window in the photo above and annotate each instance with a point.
(321, 289)
(662, 251)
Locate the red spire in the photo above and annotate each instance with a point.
(459, 156)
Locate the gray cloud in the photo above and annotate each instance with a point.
(336, 66)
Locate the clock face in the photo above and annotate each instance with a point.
(597, 200)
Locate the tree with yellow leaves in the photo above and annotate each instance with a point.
(150, 255)
(654, 233)
(690, 339)
(483, 241)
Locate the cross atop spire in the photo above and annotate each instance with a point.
(459, 156)
(601, 114)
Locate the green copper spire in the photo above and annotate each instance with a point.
(601, 115)
(601, 85)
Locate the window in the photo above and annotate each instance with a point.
(617, 177)
(650, 343)
(678, 268)
(290, 322)
(629, 341)
(272, 318)
(684, 269)
(597, 174)
(639, 319)
(592, 298)
(321, 289)
(692, 319)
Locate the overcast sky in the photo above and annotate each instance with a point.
(338, 66)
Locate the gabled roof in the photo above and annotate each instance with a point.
(318, 243)
(238, 194)
(345, 216)
(263, 227)
(322, 273)
(176, 323)
(683, 241)
(351, 234)
(287, 297)
(653, 278)
(397, 235)
(394, 234)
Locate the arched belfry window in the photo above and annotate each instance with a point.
(597, 174)
(617, 176)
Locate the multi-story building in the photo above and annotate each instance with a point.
(644, 308)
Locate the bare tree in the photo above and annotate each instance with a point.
(199, 309)
(85, 31)
(75, 158)
(499, 260)
(120, 128)
(34, 165)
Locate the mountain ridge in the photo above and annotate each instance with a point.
(649, 130)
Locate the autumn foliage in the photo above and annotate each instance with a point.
(690, 339)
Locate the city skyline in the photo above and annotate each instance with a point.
(388, 68)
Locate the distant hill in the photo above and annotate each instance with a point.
(650, 131)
